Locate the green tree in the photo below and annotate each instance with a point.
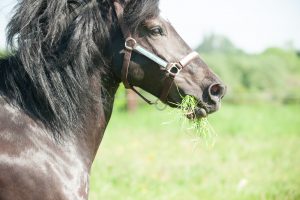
(217, 43)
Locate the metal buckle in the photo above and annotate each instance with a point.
(174, 69)
(158, 105)
(130, 43)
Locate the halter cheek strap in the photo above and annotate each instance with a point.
(119, 10)
(171, 69)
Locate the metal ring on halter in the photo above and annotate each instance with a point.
(174, 69)
(130, 43)
(160, 108)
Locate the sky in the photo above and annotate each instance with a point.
(252, 25)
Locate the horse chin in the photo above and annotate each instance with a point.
(197, 114)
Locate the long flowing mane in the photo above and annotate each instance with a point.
(56, 46)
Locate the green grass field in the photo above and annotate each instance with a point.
(149, 155)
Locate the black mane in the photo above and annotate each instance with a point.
(57, 45)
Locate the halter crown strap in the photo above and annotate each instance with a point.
(127, 52)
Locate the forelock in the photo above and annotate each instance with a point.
(137, 11)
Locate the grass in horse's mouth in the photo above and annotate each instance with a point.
(189, 109)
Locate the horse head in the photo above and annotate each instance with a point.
(156, 59)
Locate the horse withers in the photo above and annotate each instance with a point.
(58, 84)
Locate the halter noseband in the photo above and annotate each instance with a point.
(131, 45)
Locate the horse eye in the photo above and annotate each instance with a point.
(156, 31)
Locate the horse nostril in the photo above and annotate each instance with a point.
(216, 92)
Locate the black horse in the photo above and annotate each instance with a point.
(58, 84)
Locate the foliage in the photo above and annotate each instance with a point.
(273, 75)
(256, 156)
(217, 43)
(3, 54)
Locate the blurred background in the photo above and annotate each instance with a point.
(254, 46)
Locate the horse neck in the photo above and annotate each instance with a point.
(98, 117)
(97, 113)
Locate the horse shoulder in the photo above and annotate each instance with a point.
(32, 165)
